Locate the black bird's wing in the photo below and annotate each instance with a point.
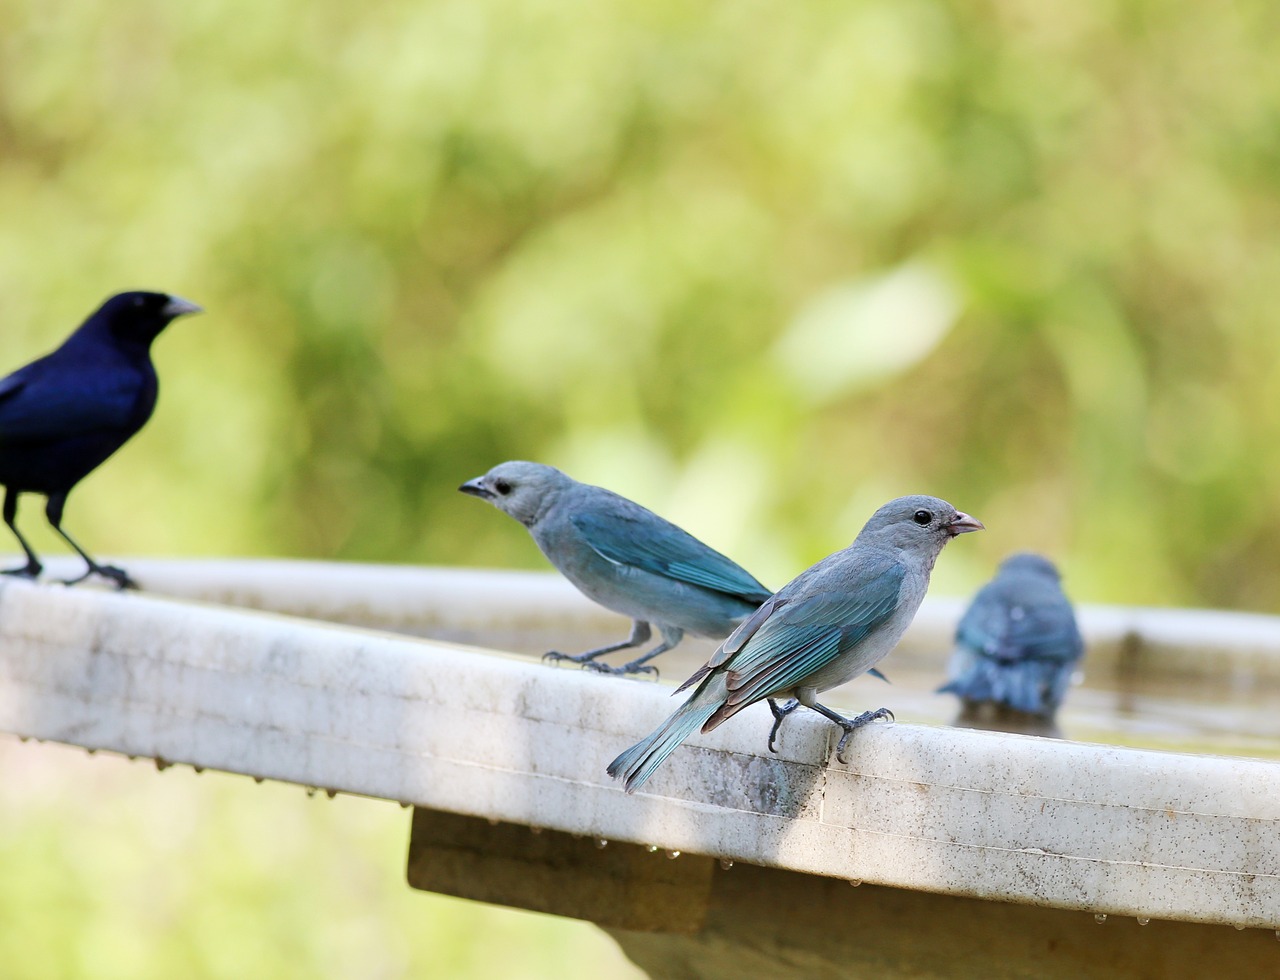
(42, 402)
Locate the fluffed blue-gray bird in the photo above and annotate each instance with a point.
(1017, 643)
(832, 622)
(625, 557)
(65, 413)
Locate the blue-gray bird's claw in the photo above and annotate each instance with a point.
(26, 571)
(623, 671)
(854, 724)
(778, 715)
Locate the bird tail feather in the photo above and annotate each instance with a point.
(638, 763)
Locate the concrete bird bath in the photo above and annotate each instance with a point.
(1129, 849)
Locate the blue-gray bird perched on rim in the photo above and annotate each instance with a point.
(62, 415)
(625, 557)
(829, 624)
(1017, 644)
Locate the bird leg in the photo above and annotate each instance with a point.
(778, 715)
(640, 633)
(671, 635)
(53, 511)
(850, 725)
(33, 567)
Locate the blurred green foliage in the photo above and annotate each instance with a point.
(432, 236)
(113, 873)
(760, 266)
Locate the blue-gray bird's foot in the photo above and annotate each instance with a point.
(634, 667)
(30, 570)
(581, 659)
(853, 724)
(778, 715)
(623, 671)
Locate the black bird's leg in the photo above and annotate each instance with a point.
(850, 725)
(53, 511)
(778, 715)
(639, 634)
(671, 635)
(33, 567)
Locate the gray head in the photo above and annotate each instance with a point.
(1027, 562)
(918, 523)
(522, 490)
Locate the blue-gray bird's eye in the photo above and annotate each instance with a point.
(922, 517)
(502, 486)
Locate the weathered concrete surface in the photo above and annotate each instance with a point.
(540, 610)
(1050, 823)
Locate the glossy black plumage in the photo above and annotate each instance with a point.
(65, 413)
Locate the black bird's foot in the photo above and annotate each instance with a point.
(854, 724)
(30, 570)
(119, 576)
(778, 715)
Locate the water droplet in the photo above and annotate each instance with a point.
(600, 843)
(1099, 917)
(856, 882)
(331, 793)
(1143, 919)
(133, 758)
(92, 751)
(311, 790)
(259, 779)
(672, 855)
(161, 764)
(1278, 935)
(197, 769)
(726, 863)
(493, 821)
(652, 848)
(405, 804)
(1240, 927)
(535, 830)
(24, 738)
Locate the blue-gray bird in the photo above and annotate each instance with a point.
(1017, 643)
(832, 622)
(625, 557)
(62, 415)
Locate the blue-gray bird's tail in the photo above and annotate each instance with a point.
(638, 763)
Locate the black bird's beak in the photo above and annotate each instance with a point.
(963, 523)
(477, 488)
(177, 306)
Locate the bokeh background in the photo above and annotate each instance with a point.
(760, 266)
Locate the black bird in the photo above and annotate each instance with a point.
(63, 414)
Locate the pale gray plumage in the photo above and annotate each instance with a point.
(1017, 644)
(625, 557)
(834, 621)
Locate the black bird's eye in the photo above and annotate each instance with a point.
(922, 517)
(502, 486)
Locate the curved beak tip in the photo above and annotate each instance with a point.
(963, 524)
(475, 488)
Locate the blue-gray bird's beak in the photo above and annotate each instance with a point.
(477, 488)
(177, 306)
(963, 524)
